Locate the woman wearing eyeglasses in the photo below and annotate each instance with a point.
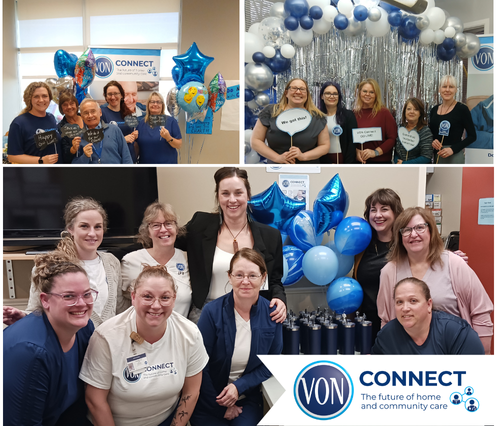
(305, 146)
(157, 234)
(236, 328)
(158, 144)
(42, 353)
(86, 222)
(418, 251)
(341, 121)
(144, 366)
(370, 113)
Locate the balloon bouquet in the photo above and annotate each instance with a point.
(74, 74)
(320, 264)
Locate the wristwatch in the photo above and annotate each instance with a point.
(40, 160)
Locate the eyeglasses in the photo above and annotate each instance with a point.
(113, 95)
(158, 225)
(252, 277)
(70, 299)
(297, 89)
(148, 299)
(405, 232)
(155, 103)
(330, 95)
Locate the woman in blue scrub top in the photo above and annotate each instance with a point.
(158, 145)
(32, 121)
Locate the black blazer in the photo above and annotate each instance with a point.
(200, 245)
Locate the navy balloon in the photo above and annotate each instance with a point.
(445, 54)
(360, 13)
(320, 265)
(301, 231)
(291, 23)
(258, 57)
(352, 236)
(341, 21)
(297, 8)
(278, 63)
(344, 295)
(408, 28)
(449, 43)
(315, 12)
(249, 95)
(293, 257)
(395, 18)
(306, 22)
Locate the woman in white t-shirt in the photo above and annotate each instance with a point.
(86, 222)
(139, 363)
(157, 234)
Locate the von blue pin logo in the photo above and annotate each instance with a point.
(323, 390)
(444, 128)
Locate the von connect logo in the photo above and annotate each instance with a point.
(323, 390)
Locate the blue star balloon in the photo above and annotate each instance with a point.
(330, 206)
(192, 65)
(274, 208)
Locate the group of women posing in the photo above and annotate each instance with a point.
(329, 136)
(147, 143)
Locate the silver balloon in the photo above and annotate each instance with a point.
(261, 99)
(374, 14)
(274, 32)
(258, 77)
(422, 22)
(460, 39)
(454, 22)
(355, 28)
(471, 47)
(172, 103)
(278, 10)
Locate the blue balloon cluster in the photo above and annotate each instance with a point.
(344, 295)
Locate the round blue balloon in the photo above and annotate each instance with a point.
(297, 8)
(395, 18)
(344, 295)
(352, 236)
(408, 28)
(315, 12)
(258, 57)
(445, 54)
(278, 63)
(449, 43)
(301, 230)
(341, 21)
(306, 22)
(345, 263)
(249, 95)
(292, 257)
(360, 13)
(291, 23)
(320, 265)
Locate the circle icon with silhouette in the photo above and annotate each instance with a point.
(456, 398)
(472, 404)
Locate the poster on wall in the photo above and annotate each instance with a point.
(137, 70)
(480, 83)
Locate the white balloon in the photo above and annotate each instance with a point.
(301, 37)
(252, 158)
(426, 36)
(450, 32)
(329, 13)
(321, 3)
(321, 26)
(436, 17)
(439, 37)
(380, 27)
(269, 51)
(287, 51)
(345, 7)
(254, 28)
(253, 43)
(248, 135)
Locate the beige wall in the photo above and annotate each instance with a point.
(214, 26)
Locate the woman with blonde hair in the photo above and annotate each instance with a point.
(158, 142)
(157, 234)
(34, 119)
(305, 146)
(86, 222)
(370, 112)
(418, 251)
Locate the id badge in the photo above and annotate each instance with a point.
(137, 364)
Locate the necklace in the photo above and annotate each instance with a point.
(235, 243)
(447, 110)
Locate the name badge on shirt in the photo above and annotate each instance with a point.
(137, 364)
(337, 130)
(265, 286)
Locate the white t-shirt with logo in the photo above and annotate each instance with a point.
(132, 265)
(146, 399)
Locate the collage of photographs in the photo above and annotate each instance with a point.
(211, 210)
